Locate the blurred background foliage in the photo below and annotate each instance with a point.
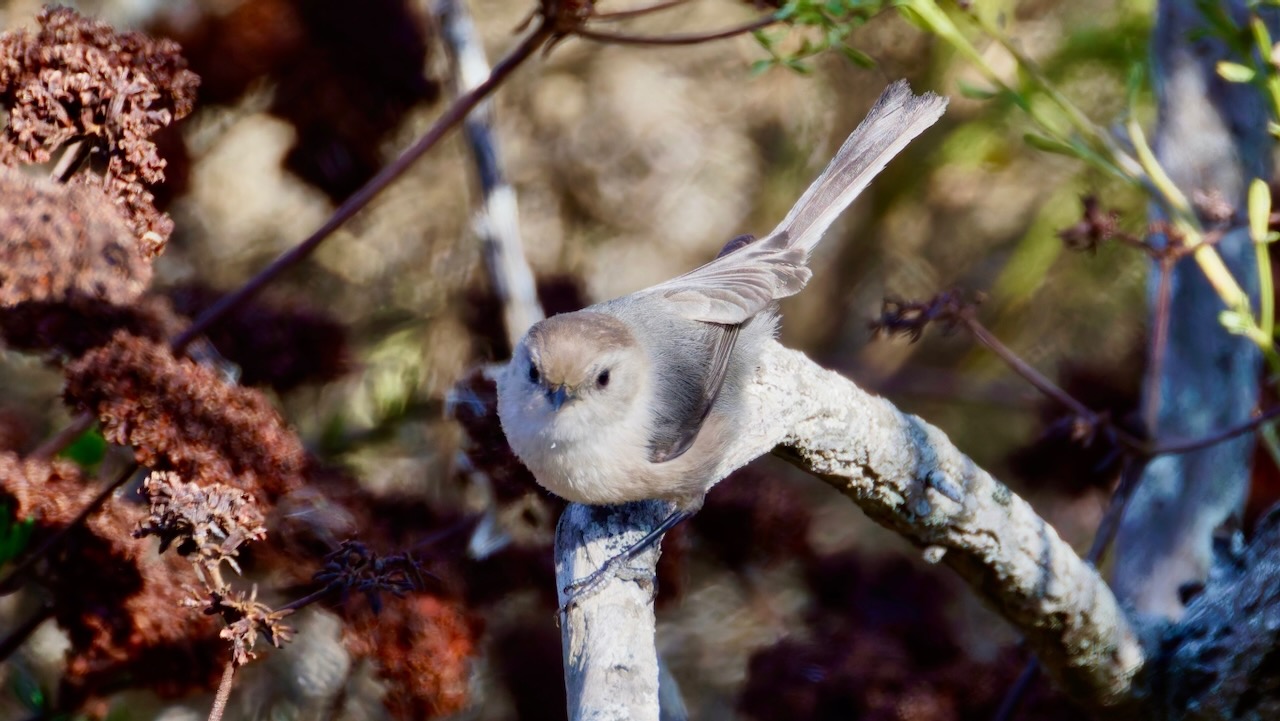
(633, 164)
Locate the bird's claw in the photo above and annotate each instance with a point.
(614, 568)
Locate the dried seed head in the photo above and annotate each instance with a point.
(182, 416)
(59, 241)
(78, 79)
(211, 521)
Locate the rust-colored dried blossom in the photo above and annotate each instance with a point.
(58, 241)
(49, 492)
(79, 79)
(122, 608)
(209, 521)
(71, 328)
(422, 646)
(119, 604)
(182, 416)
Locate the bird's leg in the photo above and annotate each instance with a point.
(579, 590)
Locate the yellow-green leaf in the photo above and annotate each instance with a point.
(1259, 210)
(1235, 72)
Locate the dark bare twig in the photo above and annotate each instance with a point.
(686, 39)
(1027, 371)
(58, 442)
(538, 37)
(1130, 476)
(637, 12)
(1179, 447)
(1012, 700)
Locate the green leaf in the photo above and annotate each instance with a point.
(1259, 210)
(1049, 145)
(973, 92)
(1133, 84)
(1261, 37)
(1235, 72)
(28, 691)
(1235, 322)
(88, 450)
(14, 535)
(761, 67)
(857, 57)
(797, 65)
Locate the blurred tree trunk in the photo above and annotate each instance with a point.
(1212, 139)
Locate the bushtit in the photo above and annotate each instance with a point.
(636, 398)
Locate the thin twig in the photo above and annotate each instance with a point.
(70, 160)
(1012, 700)
(224, 692)
(635, 13)
(9, 584)
(1141, 448)
(308, 599)
(1179, 447)
(451, 118)
(1023, 368)
(58, 442)
(687, 39)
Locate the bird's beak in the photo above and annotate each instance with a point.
(557, 396)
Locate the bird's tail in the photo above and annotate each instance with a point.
(895, 120)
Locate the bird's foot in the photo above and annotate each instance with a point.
(614, 568)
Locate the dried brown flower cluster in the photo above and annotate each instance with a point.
(51, 493)
(908, 319)
(76, 79)
(244, 619)
(60, 241)
(422, 646)
(116, 601)
(69, 329)
(210, 522)
(182, 416)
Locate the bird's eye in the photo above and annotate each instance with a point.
(533, 373)
(602, 380)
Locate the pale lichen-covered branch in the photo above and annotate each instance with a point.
(906, 475)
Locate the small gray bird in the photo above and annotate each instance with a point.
(636, 398)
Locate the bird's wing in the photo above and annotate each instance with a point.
(737, 285)
(676, 434)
